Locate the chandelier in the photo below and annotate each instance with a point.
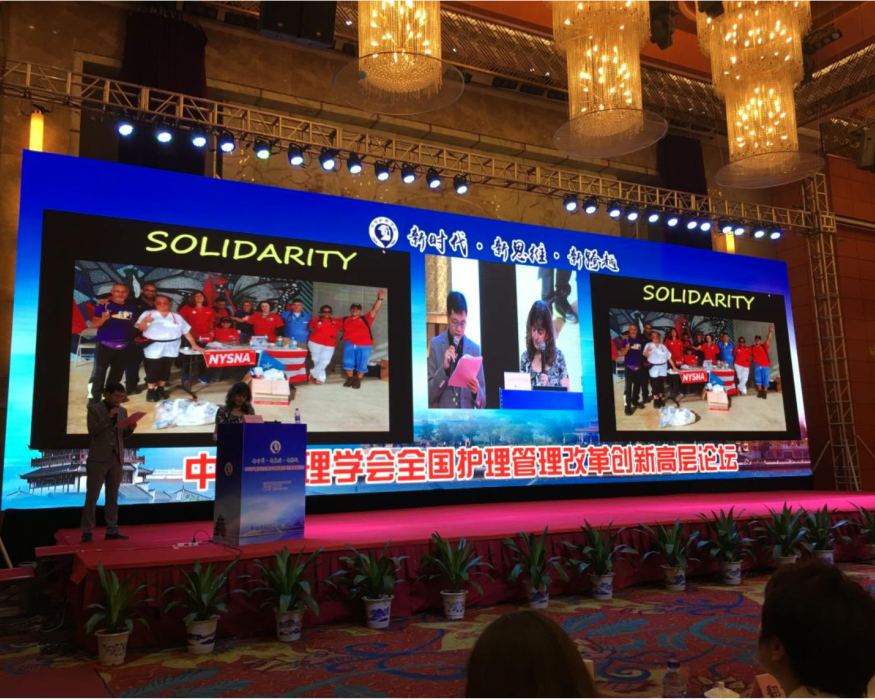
(602, 43)
(399, 68)
(756, 63)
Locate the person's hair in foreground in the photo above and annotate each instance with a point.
(239, 389)
(817, 630)
(524, 654)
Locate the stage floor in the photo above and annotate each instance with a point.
(156, 545)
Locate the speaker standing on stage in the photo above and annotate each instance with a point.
(444, 352)
(106, 453)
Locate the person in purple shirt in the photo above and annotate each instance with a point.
(632, 353)
(114, 320)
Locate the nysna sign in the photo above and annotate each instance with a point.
(229, 358)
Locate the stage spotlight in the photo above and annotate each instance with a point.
(296, 155)
(163, 134)
(125, 128)
(591, 205)
(569, 201)
(381, 170)
(262, 150)
(615, 211)
(672, 219)
(328, 159)
(691, 222)
(433, 178)
(726, 227)
(460, 184)
(199, 139)
(227, 143)
(759, 231)
(739, 229)
(354, 164)
(653, 215)
(632, 214)
(706, 225)
(408, 174)
(775, 234)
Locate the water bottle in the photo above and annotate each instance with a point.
(297, 415)
(674, 684)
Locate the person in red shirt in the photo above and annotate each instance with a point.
(265, 322)
(761, 363)
(614, 355)
(358, 341)
(742, 354)
(676, 347)
(710, 349)
(322, 341)
(200, 317)
(226, 333)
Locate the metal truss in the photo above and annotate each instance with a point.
(832, 348)
(49, 85)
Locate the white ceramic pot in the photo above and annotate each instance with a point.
(675, 578)
(539, 598)
(827, 556)
(378, 611)
(202, 635)
(870, 552)
(731, 571)
(786, 561)
(288, 625)
(602, 586)
(454, 604)
(112, 647)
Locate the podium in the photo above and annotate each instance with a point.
(260, 472)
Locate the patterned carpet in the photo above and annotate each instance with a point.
(710, 628)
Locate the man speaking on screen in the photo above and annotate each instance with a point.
(445, 351)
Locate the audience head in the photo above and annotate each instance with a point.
(113, 393)
(239, 396)
(816, 630)
(524, 654)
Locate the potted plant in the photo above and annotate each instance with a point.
(726, 544)
(371, 577)
(785, 531)
(866, 524)
(822, 533)
(457, 564)
(596, 557)
(203, 598)
(674, 546)
(533, 566)
(115, 616)
(287, 591)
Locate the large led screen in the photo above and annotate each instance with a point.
(423, 350)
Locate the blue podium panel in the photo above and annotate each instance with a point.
(260, 471)
(541, 400)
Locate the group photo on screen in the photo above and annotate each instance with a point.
(681, 372)
(532, 352)
(183, 342)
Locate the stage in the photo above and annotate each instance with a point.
(153, 551)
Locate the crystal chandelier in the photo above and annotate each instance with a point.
(400, 68)
(756, 62)
(602, 42)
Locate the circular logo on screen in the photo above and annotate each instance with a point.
(229, 469)
(383, 232)
(275, 447)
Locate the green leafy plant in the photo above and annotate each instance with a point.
(368, 574)
(116, 612)
(785, 531)
(726, 541)
(598, 552)
(202, 592)
(821, 531)
(670, 542)
(458, 564)
(866, 523)
(284, 583)
(532, 563)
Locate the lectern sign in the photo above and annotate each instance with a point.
(260, 489)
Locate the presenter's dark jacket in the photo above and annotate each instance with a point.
(106, 439)
(440, 393)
